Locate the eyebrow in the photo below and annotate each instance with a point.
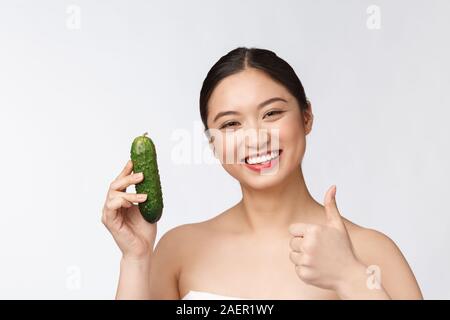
(261, 105)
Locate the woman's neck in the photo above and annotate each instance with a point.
(273, 210)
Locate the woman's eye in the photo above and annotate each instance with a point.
(228, 124)
(274, 112)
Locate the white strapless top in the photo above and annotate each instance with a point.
(203, 295)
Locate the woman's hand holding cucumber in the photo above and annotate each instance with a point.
(132, 233)
(133, 227)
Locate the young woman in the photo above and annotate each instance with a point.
(277, 242)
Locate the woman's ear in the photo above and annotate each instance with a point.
(308, 118)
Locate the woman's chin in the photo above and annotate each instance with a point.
(261, 180)
(265, 183)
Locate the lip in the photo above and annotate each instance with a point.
(259, 167)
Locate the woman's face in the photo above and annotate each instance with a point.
(242, 125)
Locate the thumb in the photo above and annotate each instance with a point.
(331, 210)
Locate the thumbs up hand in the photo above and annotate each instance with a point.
(323, 254)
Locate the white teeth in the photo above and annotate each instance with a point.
(264, 158)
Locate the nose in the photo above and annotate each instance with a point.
(257, 140)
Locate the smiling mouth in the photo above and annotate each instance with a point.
(262, 159)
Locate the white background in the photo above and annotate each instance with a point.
(74, 93)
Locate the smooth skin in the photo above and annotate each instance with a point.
(277, 242)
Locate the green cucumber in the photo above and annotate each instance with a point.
(143, 156)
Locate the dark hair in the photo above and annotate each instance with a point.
(242, 58)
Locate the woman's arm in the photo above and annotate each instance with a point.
(134, 236)
(134, 279)
(155, 276)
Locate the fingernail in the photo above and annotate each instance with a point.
(142, 196)
(139, 175)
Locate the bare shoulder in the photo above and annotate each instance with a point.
(176, 233)
(359, 233)
(179, 240)
(371, 244)
(172, 249)
(377, 250)
(184, 234)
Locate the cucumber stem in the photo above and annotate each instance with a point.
(145, 134)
